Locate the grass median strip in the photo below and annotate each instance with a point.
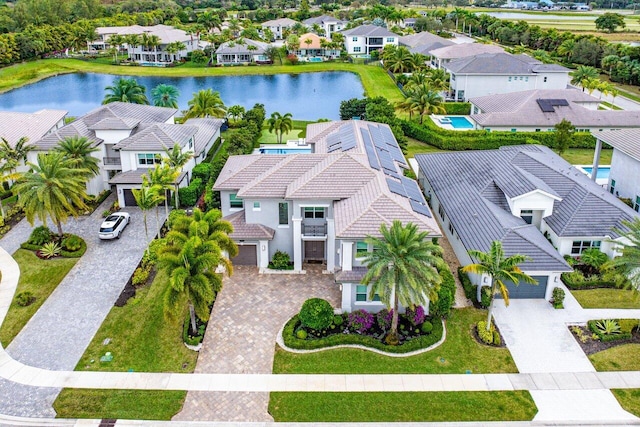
(607, 298)
(402, 407)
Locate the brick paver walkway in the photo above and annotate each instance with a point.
(246, 317)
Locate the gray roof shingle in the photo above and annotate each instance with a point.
(369, 31)
(625, 140)
(157, 137)
(236, 47)
(464, 50)
(499, 63)
(424, 42)
(242, 230)
(34, 126)
(207, 129)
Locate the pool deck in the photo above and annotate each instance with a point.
(449, 126)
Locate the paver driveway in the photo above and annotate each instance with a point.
(246, 317)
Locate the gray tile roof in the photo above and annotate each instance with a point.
(320, 20)
(499, 63)
(369, 31)
(157, 137)
(522, 109)
(282, 22)
(207, 129)
(625, 140)
(166, 33)
(465, 184)
(351, 276)
(424, 38)
(244, 231)
(34, 126)
(464, 50)
(135, 177)
(235, 47)
(115, 123)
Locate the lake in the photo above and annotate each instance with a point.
(308, 96)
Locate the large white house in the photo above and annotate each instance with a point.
(320, 206)
(497, 73)
(328, 24)
(278, 26)
(365, 39)
(526, 197)
(424, 42)
(440, 57)
(242, 51)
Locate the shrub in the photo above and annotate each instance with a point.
(628, 325)
(360, 321)
(415, 315)
(426, 327)
(78, 252)
(383, 319)
(72, 243)
(608, 327)
(140, 276)
(484, 335)
(280, 261)
(40, 235)
(457, 108)
(558, 297)
(106, 213)
(446, 294)
(497, 341)
(301, 334)
(485, 297)
(594, 258)
(24, 299)
(467, 285)
(316, 313)
(202, 171)
(338, 320)
(189, 195)
(601, 327)
(50, 250)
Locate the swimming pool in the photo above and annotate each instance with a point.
(603, 171)
(289, 150)
(459, 122)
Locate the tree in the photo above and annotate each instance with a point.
(426, 101)
(591, 84)
(163, 176)
(280, 124)
(77, 150)
(53, 188)
(116, 41)
(398, 60)
(125, 90)
(500, 269)
(566, 48)
(273, 53)
(629, 262)
(206, 103)
(147, 197)
(402, 269)
(132, 41)
(353, 107)
(165, 95)
(610, 21)
(581, 74)
(176, 159)
(151, 42)
(236, 112)
(7, 173)
(18, 152)
(175, 47)
(564, 134)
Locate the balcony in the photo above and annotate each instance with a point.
(111, 161)
(314, 229)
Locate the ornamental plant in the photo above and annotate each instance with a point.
(415, 314)
(383, 319)
(316, 313)
(360, 321)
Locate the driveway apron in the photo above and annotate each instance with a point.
(58, 334)
(246, 317)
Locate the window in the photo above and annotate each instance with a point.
(636, 205)
(526, 79)
(355, 39)
(256, 206)
(441, 211)
(148, 159)
(356, 49)
(544, 80)
(509, 78)
(451, 228)
(235, 202)
(361, 294)
(283, 213)
(513, 129)
(361, 249)
(313, 212)
(613, 186)
(390, 39)
(537, 130)
(521, 78)
(527, 215)
(453, 77)
(580, 246)
(190, 143)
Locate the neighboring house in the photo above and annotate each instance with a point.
(442, 56)
(424, 42)
(363, 40)
(242, 51)
(320, 207)
(409, 23)
(497, 73)
(104, 33)
(278, 26)
(33, 126)
(329, 24)
(624, 175)
(313, 49)
(147, 55)
(528, 198)
(541, 110)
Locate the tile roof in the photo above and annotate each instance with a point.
(523, 109)
(242, 230)
(320, 20)
(115, 123)
(282, 22)
(355, 275)
(424, 42)
(499, 63)
(34, 126)
(135, 177)
(473, 187)
(157, 137)
(464, 50)
(207, 129)
(315, 41)
(166, 33)
(625, 140)
(235, 47)
(369, 31)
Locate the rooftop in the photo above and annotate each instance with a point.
(242, 46)
(424, 42)
(501, 63)
(369, 31)
(625, 140)
(166, 33)
(464, 50)
(33, 126)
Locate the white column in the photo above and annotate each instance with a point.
(596, 160)
(263, 248)
(346, 297)
(297, 244)
(331, 245)
(347, 256)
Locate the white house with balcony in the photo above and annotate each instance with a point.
(320, 207)
(279, 27)
(440, 57)
(365, 39)
(242, 51)
(328, 24)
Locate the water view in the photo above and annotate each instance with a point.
(308, 96)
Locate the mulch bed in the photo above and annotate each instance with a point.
(474, 333)
(591, 346)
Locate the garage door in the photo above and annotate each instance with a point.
(129, 200)
(247, 255)
(525, 290)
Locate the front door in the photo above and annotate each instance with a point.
(314, 250)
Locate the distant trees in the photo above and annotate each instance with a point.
(610, 21)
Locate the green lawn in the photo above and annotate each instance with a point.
(629, 400)
(122, 404)
(40, 277)
(270, 138)
(458, 354)
(402, 407)
(624, 357)
(607, 298)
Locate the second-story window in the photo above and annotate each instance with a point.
(148, 159)
(235, 202)
(313, 212)
(283, 213)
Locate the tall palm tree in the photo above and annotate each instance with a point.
(206, 103)
(236, 112)
(175, 47)
(7, 173)
(208, 226)
(77, 150)
(132, 41)
(163, 176)
(116, 41)
(53, 188)
(426, 101)
(591, 84)
(17, 152)
(500, 269)
(280, 124)
(147, 197)
(402, 269)
(151, 42)
(125, 90)
(438, 79)
(581, 74)
(165, 95)
(176, 159)
(629, 262)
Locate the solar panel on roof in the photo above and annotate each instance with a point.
(391, 173)
(396, 187)
(368, 147)
(412, 189)
(385, 160)
(420, 208)
(378, 139)
(548, 105)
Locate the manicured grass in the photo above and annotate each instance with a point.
(270, 138)
(584, 156)
(418, 147)
(398, 407)
(624, 357)
(629, 400)
(458, 354)
(607, 298)
(40, 277)
(121, 404)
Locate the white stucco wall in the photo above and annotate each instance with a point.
(475, 85)
(625, 170)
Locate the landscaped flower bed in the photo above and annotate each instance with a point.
(602, 334)
(48, 245)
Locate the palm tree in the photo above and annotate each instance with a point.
(590, 84)
(132, 41)
(582, 73)
(206, 103)
(280, 124)
(176, 159)
(7, 173)
(147, 197)
(53, 188)
(150, 42)
(163, 176)
(402, 269)
(77, 150)
(17, 152)
(175, 47)
(116, 41)
(438, 79)
(500, 269)
(426, 101)
(236, 112)
(126, 90)
(165, 96)
(566, 48)
(629, 262)
(400, 60)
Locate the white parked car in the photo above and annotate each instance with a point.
(113, 225)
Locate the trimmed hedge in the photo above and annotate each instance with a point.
(292, 341)
(202, 171)
(64, 254)
(567, 279)
(469, 288)
(608, 338)
(446, 295)
(457, 108)
(189, 195)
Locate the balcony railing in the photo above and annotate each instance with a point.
(314, 230)
(113, 161)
